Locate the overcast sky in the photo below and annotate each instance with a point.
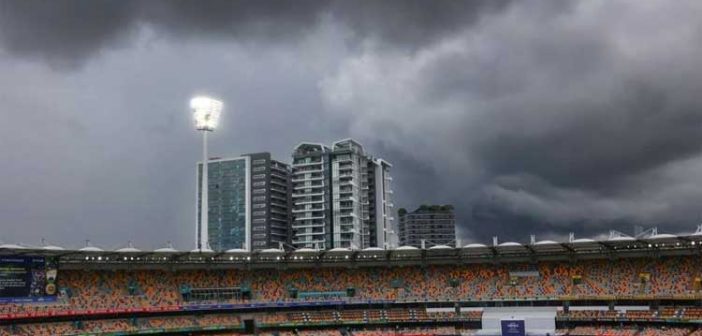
(540, 117)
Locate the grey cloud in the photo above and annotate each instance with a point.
(544, 120)
(64, 32)
(68, 32)
(531, 117)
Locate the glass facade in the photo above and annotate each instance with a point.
(226, 202)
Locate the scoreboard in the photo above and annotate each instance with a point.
(27, 279)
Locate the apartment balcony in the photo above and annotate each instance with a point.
(311, 241)
(279, 202)
(343, 158)
(345, 207)
(310, 234)
(308, 186)
(347, 198)
(283, 183)
(309, 217)
(283, 197)
(299, 222)
(278, 189)
(346, 183)
(279, 167)
(309, 201)
(313, 209)
(305, 179)
(305, 170)
(282, 220)
(278, 211)
(309, 207)
(307, 163)
(280, 223)
(347, 228)
(297, 228)
(307, 194)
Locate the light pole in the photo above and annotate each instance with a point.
(206, 112)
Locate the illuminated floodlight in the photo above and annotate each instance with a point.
(206, 112)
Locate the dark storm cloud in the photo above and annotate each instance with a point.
(66, 33)
(547, 121)
(542, 117)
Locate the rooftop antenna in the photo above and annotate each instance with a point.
(532, 238)
(571, 237)
(494, 241)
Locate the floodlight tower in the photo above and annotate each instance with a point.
(206, 112)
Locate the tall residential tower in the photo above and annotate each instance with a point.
(341, 197)
(249, 203)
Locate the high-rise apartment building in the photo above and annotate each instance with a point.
(383, 229)
(341, 197)
(248, 201)
(433, 224)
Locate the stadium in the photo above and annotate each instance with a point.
(647, 285)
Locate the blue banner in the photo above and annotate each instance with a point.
(513, 328)
(27, 299)
(260, 305)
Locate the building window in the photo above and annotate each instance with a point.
(259, 199)
(259, 243)
(259, 169)
(259, 191)
(259, 184)
(259, 213)
(259, 176)
(259, 206)
(259, 161)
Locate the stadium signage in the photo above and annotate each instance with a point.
(25, 279)
(513, 328)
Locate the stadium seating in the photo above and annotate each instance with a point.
(94, 290)
(110, 292)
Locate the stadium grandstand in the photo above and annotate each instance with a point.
(646, 285)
